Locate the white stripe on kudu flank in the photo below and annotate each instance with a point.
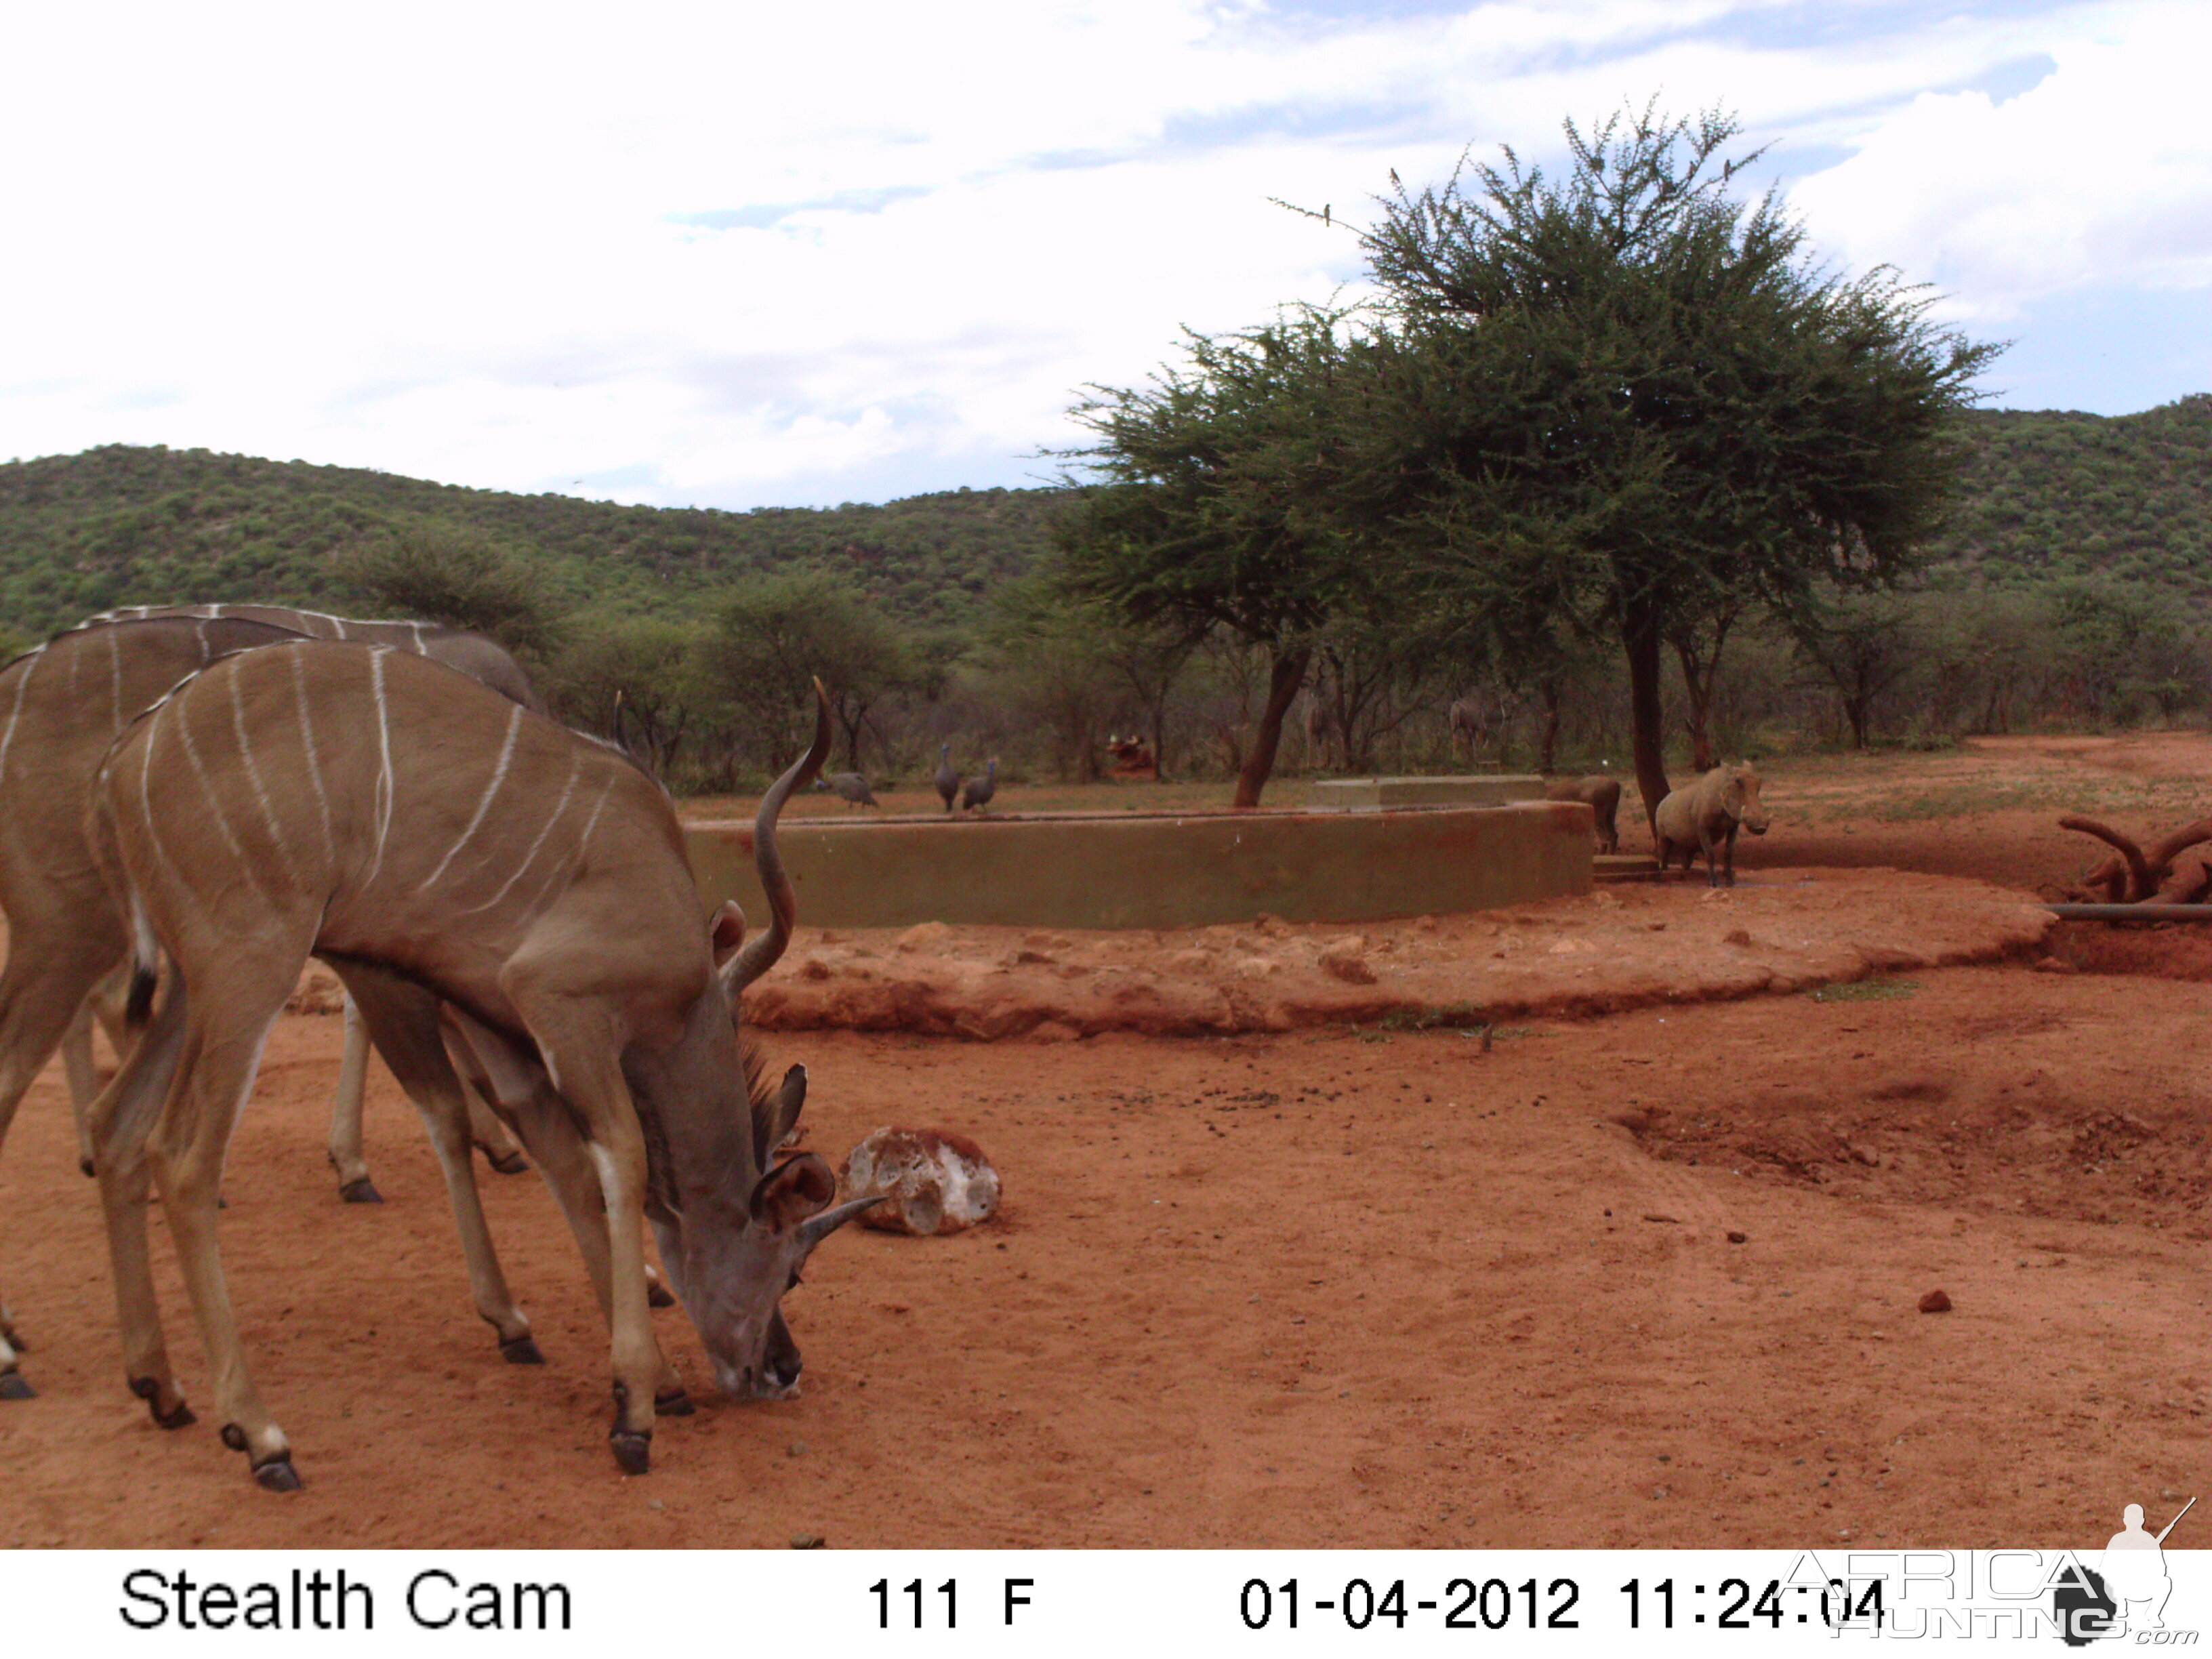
(115, 678)
(376, 656)
(254, 770)
(307, 748)
(215, 806)
(575, 763)
(558, 875)
(498, 777)
(22, 685)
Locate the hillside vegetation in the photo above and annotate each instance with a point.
(122, 525)
(2047, 493)
(2056, 494)
(2086, 543)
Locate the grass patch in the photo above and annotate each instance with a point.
(1964, 800)
(1865, 990)
(1457, 1015)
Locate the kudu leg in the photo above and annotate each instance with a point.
(42, 991)
(579, 1053)
(226, 1025)
(346, 1153)
(84, 1080)
(345, 1149)
(402, 1018)
(550, 1132)
(121, 1119)
(493, 1140)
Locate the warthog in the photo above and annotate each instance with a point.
(1706, 815)
(1602, 795)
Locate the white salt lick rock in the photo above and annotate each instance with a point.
(936, 1183)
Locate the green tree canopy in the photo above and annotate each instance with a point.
(1219, 500)
(1629, 393)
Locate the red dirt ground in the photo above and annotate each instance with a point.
(1332, 1285)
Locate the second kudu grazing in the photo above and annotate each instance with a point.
(475, 655)
(61, 706)
(437, 844)
(1704, 817)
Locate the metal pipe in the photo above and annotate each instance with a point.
(2131, 912)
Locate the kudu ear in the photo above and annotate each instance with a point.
(795, 1189)
(726, 932)
(773, 1115)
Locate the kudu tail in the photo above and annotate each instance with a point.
(759, 955)
(145, 968)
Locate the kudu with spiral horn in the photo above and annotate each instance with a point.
(434, 843)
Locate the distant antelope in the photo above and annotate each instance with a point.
(434, 843)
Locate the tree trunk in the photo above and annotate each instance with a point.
(1552, 689)
(1700, 675)
(1639, 636)
(1284, 679)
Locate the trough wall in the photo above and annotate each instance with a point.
(1125, 870)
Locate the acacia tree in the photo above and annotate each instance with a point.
(1632, 393)
(775, 635)
(1216, 501)
(434, 573)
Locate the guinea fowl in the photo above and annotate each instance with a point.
(849, 786)
(948, 779)
(980, 790)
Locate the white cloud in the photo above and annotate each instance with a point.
(740, 255)
(2101, 174)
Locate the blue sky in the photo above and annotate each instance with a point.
(732, 256)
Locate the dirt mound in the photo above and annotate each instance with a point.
(1624, 947)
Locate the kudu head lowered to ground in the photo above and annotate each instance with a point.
(436, 844)
(735, 1229)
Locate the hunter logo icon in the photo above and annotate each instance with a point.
(2128, 1597)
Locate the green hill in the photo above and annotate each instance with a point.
(122, 524)
(2046, 494)
(2051, 494)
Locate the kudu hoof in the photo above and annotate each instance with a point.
(363, 1191)
(178, 1416)
(13, 1386)
(233, 1437)
(633, 1451)
(522, 1351)
(657, 1295)
(512, 1164)
(277, 1474)
(674, 1403)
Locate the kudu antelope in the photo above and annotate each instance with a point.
(61, 707)
(534, 882)
(65, 704)
(475, 655)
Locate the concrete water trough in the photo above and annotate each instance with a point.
(1381, 794)
(1132, 870)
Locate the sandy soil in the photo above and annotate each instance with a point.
(1328, 1285)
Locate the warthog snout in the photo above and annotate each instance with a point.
(1749, 814)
